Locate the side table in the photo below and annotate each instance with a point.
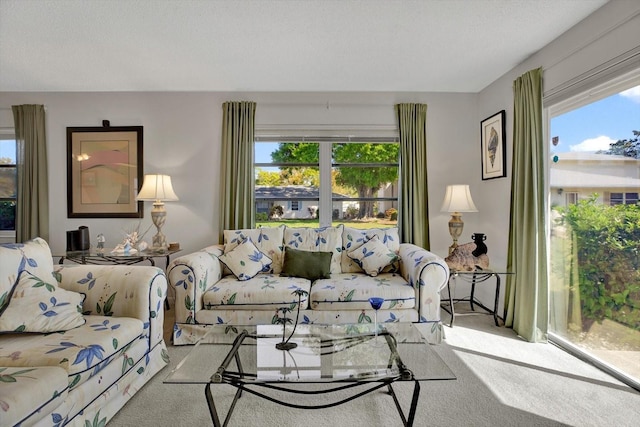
(474, 277)
(105, 257)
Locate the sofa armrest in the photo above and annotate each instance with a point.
(120, 291)
(428, 274)
(191, 276)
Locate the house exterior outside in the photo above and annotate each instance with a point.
(300, 202)
(297, 201)
(579, 175)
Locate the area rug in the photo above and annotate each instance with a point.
(501, 380)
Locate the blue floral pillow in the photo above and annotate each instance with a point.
(246, 260)
(34, 305)
(373, 256)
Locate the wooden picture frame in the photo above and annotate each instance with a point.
(493, 146)
(104, 171)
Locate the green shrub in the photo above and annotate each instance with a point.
(608, 244)
(392, 214)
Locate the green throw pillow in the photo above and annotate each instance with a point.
(310, 265)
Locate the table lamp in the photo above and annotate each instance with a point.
(457, 199)
(158, 189)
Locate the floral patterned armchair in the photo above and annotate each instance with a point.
(95, 336)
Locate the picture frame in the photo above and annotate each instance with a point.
(104, 171)
(493, 146)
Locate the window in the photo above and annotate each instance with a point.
(572, 198)
(623, 199)
(8, 184)
(594, 281)
(327, 180)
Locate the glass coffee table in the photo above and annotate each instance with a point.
(336, 358)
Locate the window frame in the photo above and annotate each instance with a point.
(10, 136)
(325, 166)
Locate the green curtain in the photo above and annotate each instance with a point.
(527, 290)
(236, 181)
(413, 221)
(32, 207)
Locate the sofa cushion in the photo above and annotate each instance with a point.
(263, 292)
(34, 305)
(325, 239)
(245, 260)
(33, 256)
(373, 256)
(310, 265)
(351, 291)
(353, 238)
(83, 352)
(25, 391)
(267, 239)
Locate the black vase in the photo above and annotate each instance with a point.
(78, 240)
(481, 248)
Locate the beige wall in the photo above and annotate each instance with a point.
(182, 139)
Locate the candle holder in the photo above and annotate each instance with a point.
(285, 345)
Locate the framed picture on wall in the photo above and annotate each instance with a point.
(104, 171)
(493, 146)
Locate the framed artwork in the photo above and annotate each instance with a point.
(493, 146)
(104, 171)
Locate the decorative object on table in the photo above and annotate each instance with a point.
(124, 249)
(376, 303)
(481, 247)
(78, 240)
(457, 199)
(174, 246)
(493, 146)
(132, 242)
(158, 189)
(462, 258)
(104, 170)
(101, 240)
(285, 344)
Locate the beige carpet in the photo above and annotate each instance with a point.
(502, 380)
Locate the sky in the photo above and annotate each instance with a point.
(595, 126)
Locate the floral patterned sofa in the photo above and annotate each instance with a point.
(76, 342)
(253, 274)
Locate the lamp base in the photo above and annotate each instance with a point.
(455, 229)
(159, 242)
(158, 216)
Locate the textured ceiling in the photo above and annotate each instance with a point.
(273, 45)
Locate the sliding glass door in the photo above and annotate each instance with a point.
(594, 184)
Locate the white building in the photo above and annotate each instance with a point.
(580, 175)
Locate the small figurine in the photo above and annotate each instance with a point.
(101, 241)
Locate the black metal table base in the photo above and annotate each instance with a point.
(407, 419)
(476, 277)
(237, 380)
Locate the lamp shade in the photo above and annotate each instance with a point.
(157, 187)
(458, 199)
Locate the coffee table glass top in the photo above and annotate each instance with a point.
(324, 353)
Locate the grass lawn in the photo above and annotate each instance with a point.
(368, 223)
